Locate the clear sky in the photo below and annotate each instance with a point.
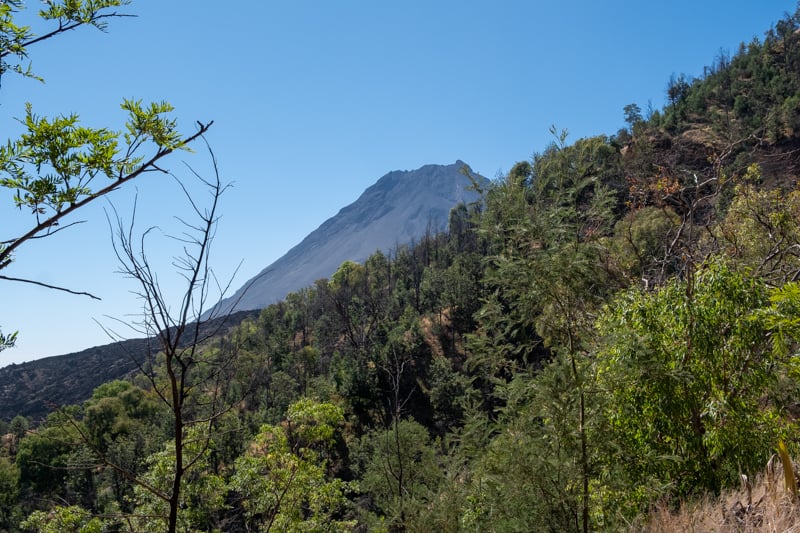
(312, 102)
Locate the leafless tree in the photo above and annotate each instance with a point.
(185, 371)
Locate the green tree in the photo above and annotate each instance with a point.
(761, 230)
(43, 458)
(462, 294)
(201, 495)
(547, 276)
(677, 90)
(282, 480)
(448, 393)
(57, 166)
(640, 242)
(18, 427)
(9, 492)
(529, 475)
(69, 519)
(400, 471)
(685, 370)
(633, 116)
(122, 423)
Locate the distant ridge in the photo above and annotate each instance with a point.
(399, 208)
(33, 388)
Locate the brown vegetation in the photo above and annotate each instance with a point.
(760, 506)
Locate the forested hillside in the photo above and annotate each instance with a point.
(613, 326)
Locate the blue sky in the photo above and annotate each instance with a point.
(312, 102)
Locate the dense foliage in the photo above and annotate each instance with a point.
(615, 324)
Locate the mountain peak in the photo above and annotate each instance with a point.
(397, 209)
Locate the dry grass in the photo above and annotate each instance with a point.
(762, 506)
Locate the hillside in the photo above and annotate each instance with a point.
(606, 340)
(34, 388)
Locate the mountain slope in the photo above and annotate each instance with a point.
(400, 207)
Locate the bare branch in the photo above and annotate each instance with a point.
(48, 286)
(50, 231)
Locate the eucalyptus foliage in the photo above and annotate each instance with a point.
(687, 369)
